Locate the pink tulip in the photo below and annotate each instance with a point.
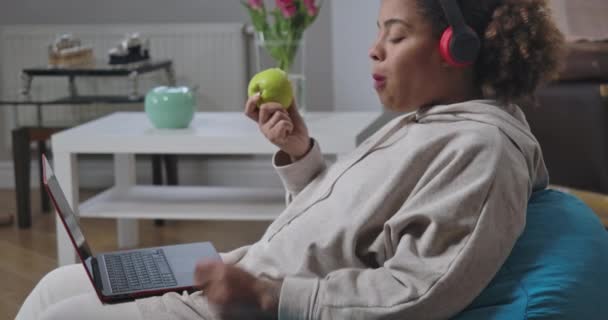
(287, 7)
(311, 7)
(256, 4)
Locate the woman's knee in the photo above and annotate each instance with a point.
(63, 272)
(88, 306)
(58, 285)
(64, 282)
(68, 309)
(71, 277)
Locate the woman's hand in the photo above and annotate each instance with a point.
(236, 293)
(284, 128)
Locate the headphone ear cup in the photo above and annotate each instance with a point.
(445, 46)
(459, 50)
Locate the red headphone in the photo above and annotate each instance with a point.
(459, 45)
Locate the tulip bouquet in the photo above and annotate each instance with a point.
(282, 32)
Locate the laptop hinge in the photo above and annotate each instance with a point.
(96, 274)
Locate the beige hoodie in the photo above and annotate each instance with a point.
(411, 225)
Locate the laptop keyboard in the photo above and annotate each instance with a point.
(139, 270)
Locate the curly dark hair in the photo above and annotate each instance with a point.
(521, 47)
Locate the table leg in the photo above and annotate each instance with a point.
(157, 170)
(26, 86)
(170, 76)
(157, 179)
(124, 178)
(134, 82)
(44, 197)
(66, 170)
(21, 165)
(172, 180)
(171, 168)
(72, 86)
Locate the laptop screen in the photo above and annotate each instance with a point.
(69, 218)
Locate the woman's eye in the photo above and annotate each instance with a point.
(396, 40)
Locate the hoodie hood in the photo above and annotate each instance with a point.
(509, 119)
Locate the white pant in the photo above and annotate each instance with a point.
(67, 293)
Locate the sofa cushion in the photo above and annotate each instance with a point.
(558, 268)
(585, 61)
(571, 125)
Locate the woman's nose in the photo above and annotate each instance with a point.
(375, 52)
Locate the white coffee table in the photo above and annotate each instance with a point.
(125, 134)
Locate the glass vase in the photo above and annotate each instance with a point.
(288, 56)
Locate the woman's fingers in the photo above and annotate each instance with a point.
(280, 132)
(267, 110)
(204, 273)
(275, 122)
(283, 129)
(275, 118)
(293, 111)
(251, 107)
(278, 127)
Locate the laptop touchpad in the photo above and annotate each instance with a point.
(183, 258)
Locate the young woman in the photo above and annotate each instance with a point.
(418, 219)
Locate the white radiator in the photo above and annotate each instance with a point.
(210, 56)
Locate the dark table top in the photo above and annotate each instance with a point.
(77, 100)
(99, 69)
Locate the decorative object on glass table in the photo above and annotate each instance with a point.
(170, 107)
(130, 50)
(67, 50)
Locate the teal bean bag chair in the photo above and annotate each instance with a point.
(557, 270)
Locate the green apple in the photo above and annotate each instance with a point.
(274, 86)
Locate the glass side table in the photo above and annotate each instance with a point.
(23, 136)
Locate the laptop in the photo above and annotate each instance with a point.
(130, 274)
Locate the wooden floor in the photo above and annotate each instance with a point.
(26, 255)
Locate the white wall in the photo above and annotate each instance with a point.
(354, 29)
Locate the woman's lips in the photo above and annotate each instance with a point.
(379, 81)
